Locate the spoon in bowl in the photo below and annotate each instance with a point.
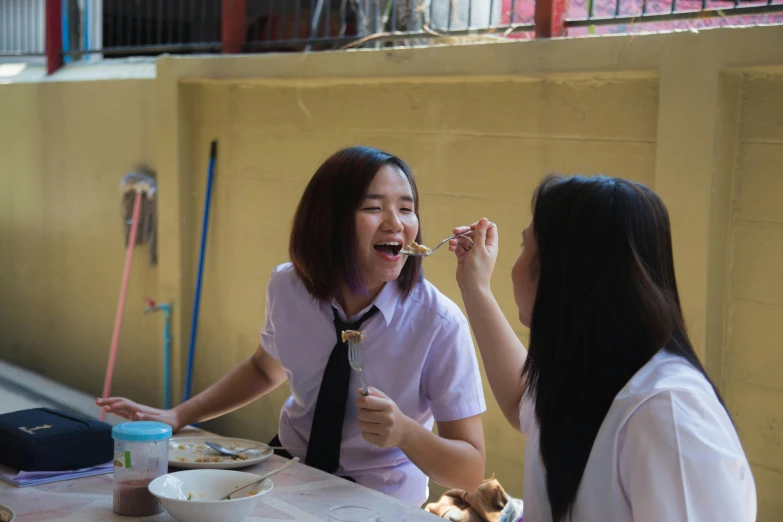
(263, 477)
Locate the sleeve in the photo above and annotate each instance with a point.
(451, 379)
(268, 330)
(680, 460)
(527, 412)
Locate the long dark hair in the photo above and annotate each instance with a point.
(322, 246)
(607, 302)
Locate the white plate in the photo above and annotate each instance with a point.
(183, 452)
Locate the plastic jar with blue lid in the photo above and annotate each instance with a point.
(141, 454)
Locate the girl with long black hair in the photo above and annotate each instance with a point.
(622, 421)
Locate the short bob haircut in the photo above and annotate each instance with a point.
(323, 237)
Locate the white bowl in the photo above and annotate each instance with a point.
(205, 487)
(10, 511)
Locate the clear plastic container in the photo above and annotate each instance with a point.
(141, 454)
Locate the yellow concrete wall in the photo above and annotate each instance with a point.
(753, 374)
(695, 116)
(65, 147)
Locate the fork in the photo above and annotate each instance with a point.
(355, 360)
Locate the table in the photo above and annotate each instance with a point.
(300, 493)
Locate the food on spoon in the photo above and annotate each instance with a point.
(199, 453)
(353, 335)
(415, 248)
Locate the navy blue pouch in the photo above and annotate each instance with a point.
(44, 439)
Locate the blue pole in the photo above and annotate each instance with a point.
(166, 356)
(196, 302)
(66, 31)
(86, 27)
(152, 307)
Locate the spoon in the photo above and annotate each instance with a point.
(432, 250)
(228, 451)
(263, 477)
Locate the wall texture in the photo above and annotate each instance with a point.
(753, 382)
(65, 148)
(698, 117)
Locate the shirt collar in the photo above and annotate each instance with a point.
(386, 302)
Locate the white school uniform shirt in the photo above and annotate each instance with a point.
(419, 352)
(666, 452)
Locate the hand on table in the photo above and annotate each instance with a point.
(134, 411)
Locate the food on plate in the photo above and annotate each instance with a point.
(5, 516)
(201, 453)
(207, 459)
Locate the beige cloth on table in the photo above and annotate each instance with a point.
(482, 505)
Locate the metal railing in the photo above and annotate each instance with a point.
(73, 29)
(22, 28)
(282, 25)
(152, 27)
(661, 15)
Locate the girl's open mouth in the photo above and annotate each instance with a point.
(390, 250)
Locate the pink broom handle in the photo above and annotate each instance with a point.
(115, 338)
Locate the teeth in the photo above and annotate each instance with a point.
(392, 243)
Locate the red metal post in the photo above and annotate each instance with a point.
(232, 30)
(54, 35)
(550, 18)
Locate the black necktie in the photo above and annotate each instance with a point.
(323, 448)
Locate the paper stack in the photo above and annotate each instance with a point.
(30, 478)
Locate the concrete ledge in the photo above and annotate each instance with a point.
(37, 388)
(117, 69)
